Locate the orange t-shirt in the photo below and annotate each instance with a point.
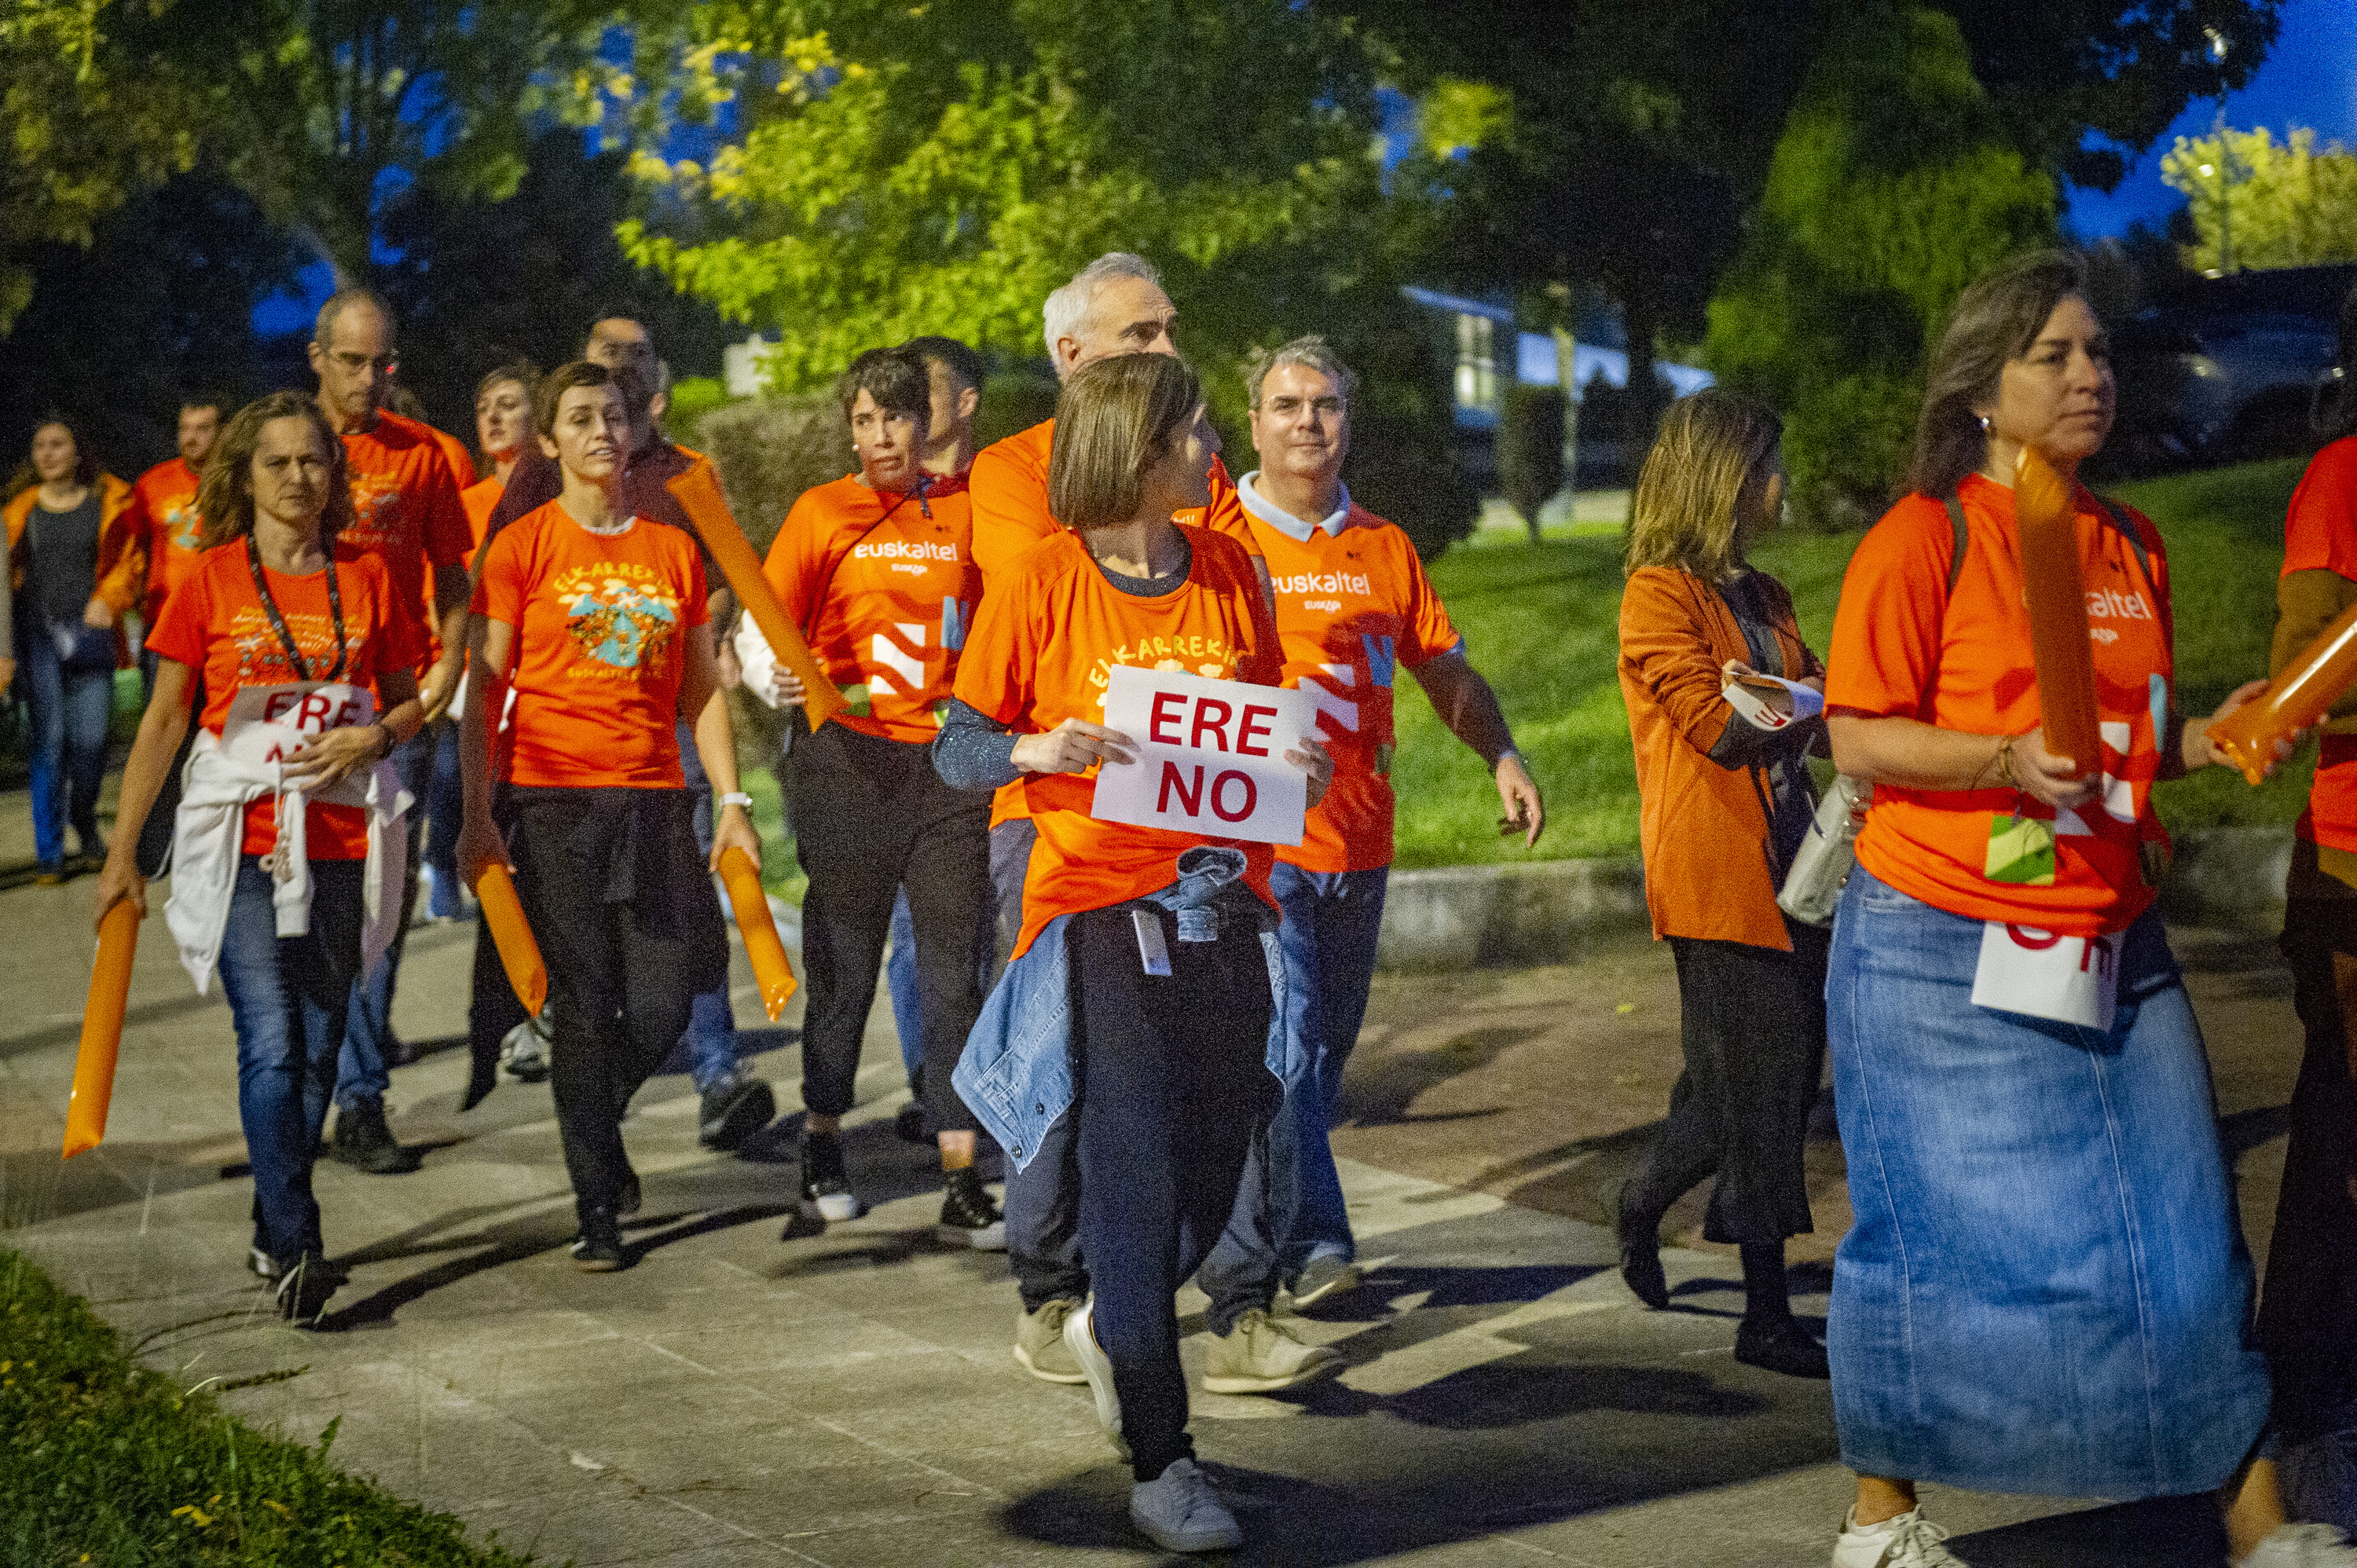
(168, 525)
(1350, 606)
(214, 623)
(899, 586)
(406, 508)
(1009, 481)
(602, 624)
(479, 499)
(2321, 535)
(1904, 645)
(1042, 645)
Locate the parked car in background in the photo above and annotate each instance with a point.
(2226, 369)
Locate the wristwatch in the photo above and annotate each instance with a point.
(738, 797)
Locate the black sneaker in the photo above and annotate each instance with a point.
(598, 1249)
(303, 1287)
(826, 1185)
(365, 1142)
(1781, 1346)
(909, 1123)
(968, 1217)
(733, 1110)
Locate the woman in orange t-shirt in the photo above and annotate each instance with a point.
(878, 570)
(2045, 1289)
(307, 654)
(1726, 800)
(1171, 1005)
(597, 619)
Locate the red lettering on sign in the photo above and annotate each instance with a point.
(1154, 728)
(2028, 937)
(1219, 798)
(2098, 955)
(1204, 708)
(277, 703)
(314, 711)
(1190, 801)
(1251, 727)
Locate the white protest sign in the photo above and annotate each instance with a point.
(271, 724)
(2072, 980)
(1210, 755)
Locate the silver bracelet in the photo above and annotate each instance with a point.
(738, 797)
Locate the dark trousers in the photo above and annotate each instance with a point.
(628, 924)
(872, 819)
(1174, 1088)
(2310, 1299)
(287, 999)
(1752, 1026)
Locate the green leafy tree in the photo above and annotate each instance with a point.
(2258, 202)
(942, 168)
(1893, 185)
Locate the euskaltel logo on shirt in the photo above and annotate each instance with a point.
(1323, 582)
(618, 614)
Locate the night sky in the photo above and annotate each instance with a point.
(2310, 79)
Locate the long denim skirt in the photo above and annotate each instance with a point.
(2046, 1288)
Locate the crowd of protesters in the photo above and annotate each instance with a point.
(380, 663)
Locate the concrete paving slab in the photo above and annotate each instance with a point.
(743, 1396)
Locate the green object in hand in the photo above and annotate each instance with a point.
(2021, 851)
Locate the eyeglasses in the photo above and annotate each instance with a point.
(355, 361)
(1328, 407)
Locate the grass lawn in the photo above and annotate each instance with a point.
(1539, 621)
(105, 1462)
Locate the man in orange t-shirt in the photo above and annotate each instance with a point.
(406, 509)
(1352, 605)
(164, 499)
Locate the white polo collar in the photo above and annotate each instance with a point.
(1284, 521)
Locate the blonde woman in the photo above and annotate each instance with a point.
(1725, 802)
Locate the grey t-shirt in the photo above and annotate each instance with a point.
(62, 573)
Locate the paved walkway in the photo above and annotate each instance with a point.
(848, 1398)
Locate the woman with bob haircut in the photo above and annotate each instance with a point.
(1725, 802)
(282, 867)
(1161, 941)
(597, 619)
(76, 564)
(2046, 1289)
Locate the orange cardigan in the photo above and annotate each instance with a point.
(1709, 870)
(122, 554)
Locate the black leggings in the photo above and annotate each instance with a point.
(1174, 1085)
(628, 924)
(871, 818)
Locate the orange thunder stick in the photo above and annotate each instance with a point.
(2049, 526)
(511, 934)
(2294, 700)
(770, 970)
(698, 493)
(101, 1028)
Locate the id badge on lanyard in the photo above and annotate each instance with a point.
(2072, 980)
(271, 724)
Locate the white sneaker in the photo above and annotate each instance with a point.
(1081, 1340)
(1179, 1512)
(1909, 1541)
(2300, 1546)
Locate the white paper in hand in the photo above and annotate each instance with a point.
(1211, 756)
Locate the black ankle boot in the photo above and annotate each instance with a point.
(1641, 1252)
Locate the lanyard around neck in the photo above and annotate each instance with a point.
(278, 622)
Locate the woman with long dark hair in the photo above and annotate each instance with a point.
(2046, 1288)
(76, 565)
(282, 868)
(1726, 801)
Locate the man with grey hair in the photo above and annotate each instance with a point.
(406, 508)
(1352, 605)
(1115, 305)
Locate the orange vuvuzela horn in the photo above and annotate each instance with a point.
(697, 490)
(2049, 525)
(754, 923)
(511, 934)
(2299, 696)
(101, 1028)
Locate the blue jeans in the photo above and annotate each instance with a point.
(901, 981)
(288, 998)
(2045, 1290)
(71, 698)
(711, 1037)
(365, 1071)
